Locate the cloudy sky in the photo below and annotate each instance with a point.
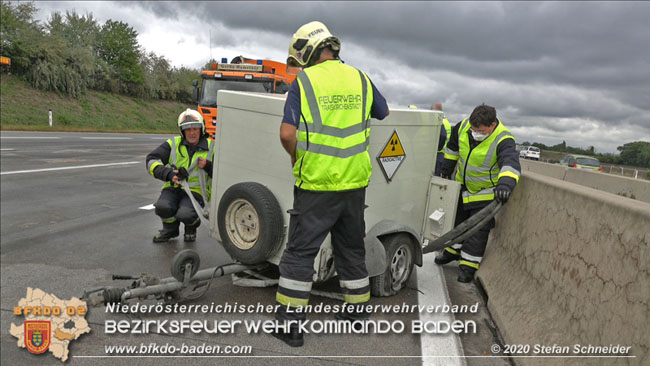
(573, 71)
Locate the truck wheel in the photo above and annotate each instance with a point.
(180, 260)
(250, 222)
(399, 260)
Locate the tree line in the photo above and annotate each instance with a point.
(72, 53)
(635, 153)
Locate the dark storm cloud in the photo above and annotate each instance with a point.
(593, 45)
(549, 65)
(168, 10)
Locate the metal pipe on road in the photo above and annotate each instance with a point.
(152, 290)
(170, 284)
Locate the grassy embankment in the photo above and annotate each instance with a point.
(25, 108)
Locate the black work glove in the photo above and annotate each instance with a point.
(445, 173)
(182, 174)
(502, 193)
(447, 169)
(170, 174)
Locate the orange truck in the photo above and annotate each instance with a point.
(242, 74)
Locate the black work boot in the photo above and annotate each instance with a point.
(466, 274)
(293, 337)
(190, 231)
(356, 318)
(190, 235)
(357, 312)
(446, 257)
(165, 234)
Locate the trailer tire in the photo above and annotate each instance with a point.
(399, 265)
(180, 260)
(250, 221)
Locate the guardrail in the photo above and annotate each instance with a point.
(567, 265)
(623, 170)
(632, 172)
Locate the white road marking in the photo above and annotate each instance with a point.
(26, 137)
(7, 149)
(106, 138)
(437, 349)
(147, 207)
(69, 167)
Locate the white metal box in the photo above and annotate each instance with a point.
(248, 149)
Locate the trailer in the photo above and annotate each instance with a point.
(253, 189)
(409, 211)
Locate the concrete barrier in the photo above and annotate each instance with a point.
(637, 189)
(570, 265)
(550, 170)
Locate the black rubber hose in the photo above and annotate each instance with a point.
(466, 228)
(477, 227)
(461, 228)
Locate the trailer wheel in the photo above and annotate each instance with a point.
(399, 260)
(181, 259)
(250, 222)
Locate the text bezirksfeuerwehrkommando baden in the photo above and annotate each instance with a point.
(236, 308)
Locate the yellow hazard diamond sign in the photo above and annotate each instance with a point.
(391, 157)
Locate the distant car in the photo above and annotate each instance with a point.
(581, 162)
(530, 152)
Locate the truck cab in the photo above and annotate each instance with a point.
(241, 74)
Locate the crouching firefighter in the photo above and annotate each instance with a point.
(332, 168)
(185, 157)
(488, 169)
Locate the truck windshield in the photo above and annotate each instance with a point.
(212, 86)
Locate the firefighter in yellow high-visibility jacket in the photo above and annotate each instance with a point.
(488, 168)
(445, 134)
(182, 157)
(326, 130)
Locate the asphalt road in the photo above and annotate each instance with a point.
(74, 212)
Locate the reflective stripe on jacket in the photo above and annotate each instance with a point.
(332, 149)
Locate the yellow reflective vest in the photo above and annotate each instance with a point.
(478, 170)
(179, 157)
(332, 149)
(447, 126)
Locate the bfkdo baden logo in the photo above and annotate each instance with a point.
(37, 335)
(50, 323)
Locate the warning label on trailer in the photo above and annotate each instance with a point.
(392, 156)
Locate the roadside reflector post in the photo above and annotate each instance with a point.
(50, 113)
